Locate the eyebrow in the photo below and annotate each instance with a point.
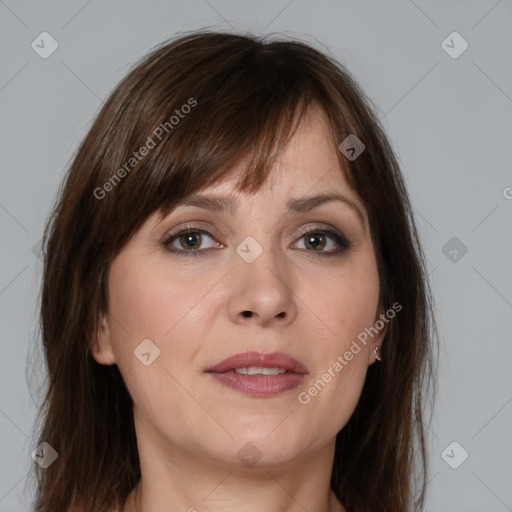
(219, 204)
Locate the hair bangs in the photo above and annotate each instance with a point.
(241, 128)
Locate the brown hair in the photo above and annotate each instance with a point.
(246, 96)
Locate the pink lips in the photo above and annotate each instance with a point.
(259, 385)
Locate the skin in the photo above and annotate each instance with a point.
(189, 426)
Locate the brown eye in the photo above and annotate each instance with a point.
(188, 242)
(316, 241)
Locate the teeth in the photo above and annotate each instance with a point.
(259, 370)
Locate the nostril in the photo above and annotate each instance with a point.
(247, 314)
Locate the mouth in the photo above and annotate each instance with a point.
(258, 374)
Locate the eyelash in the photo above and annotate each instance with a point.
(343, 242)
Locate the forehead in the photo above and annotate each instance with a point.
(309, 163)
(306, 175)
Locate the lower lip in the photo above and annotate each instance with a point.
(259, 385)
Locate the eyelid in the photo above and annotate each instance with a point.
(196, 226)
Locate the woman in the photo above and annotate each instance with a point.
(235, 309)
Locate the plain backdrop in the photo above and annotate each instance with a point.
(447, 109)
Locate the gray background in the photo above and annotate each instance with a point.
(449, 119)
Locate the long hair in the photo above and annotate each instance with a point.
(200, 104)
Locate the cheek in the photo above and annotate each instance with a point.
(347, 303)
(136, 301)
(151, 305)
(347, 306)
(149, 301)
(155, 304)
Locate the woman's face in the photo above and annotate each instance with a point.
(248, 279)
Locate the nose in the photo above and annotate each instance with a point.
(263, 292)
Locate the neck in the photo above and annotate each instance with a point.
(195, 484)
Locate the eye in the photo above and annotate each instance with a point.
(316, 240)
(191, 239)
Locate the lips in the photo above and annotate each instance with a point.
(258, 359)
(245, 373)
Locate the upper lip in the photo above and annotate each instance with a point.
(272, 360)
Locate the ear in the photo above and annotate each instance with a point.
(381, 323)
(101, 345)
